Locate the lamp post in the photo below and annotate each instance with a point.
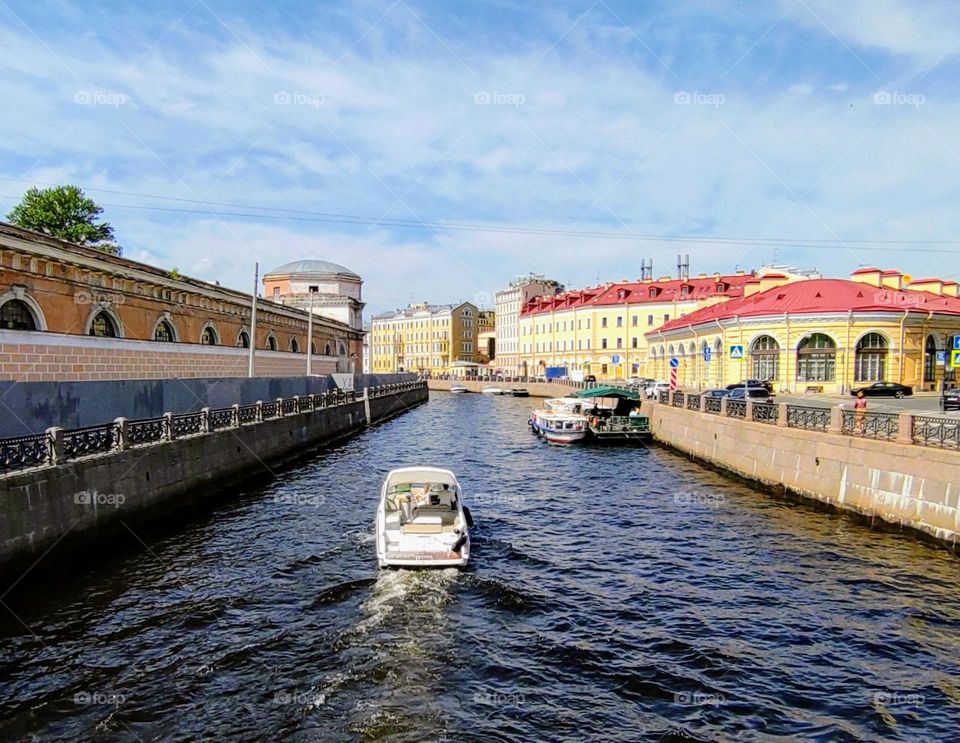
(253, 319)
(310, 335)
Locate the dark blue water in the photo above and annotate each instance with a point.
(615, 594)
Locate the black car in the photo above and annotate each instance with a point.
(950, 400)
(757, 394)
(768, 386)
(884, 389)
(590, 378)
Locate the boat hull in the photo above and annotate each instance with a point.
(542, 426)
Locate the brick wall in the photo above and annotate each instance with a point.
(41, 357)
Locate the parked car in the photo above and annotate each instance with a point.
(884, 389)
(591, 378)
(756, 394)
(950, 400)
(656, 388)
(716, 393)
(768, 386)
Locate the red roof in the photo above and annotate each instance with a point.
(865, 270)
(640, 292)
(819, 295)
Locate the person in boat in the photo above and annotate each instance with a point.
(635, 413)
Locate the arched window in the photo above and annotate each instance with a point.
(930, 359)
(765, 358)
(164, 332)
(871, 358)
(313, 348)
(343, 350)
(816, 359)
(326, 349)
(243, 340)
(16, 315)
(294, 345)
(271, 343)
(209, 337)
(103, 326)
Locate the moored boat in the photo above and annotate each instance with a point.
(559, 427)
(421, 520)
(519, 392)
(458, 389)
(492, 390)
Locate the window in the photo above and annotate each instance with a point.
(635, 320)
(666, 318)
(271, 343)
(276, 292)
(164, 332)
(294, 345)
(765, 358)
(313, 289)
(633, 342)
(209, 337)
(103, 326)
(930, 360)
(603, 343)
(649, 319)
(871, 358)
(619, 342)
(816, 359)
(603, 322)
(243, 340)
(16, 315)
(619, 321)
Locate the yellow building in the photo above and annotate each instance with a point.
(819, 335)
(423, 338)
(603, 330)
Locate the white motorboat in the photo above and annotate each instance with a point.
(458, 389)
(493, 390)
(421, 520)
(561, 421)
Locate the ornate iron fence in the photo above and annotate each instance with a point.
(90, 440)
(765, 412)
(289, 406)
(270, 410)
(146, 431)
(736, 408)
(186, 424)
(221, 418)
(247, 414)
(870, 425)
(24, 451)
(663, 397)
(713, 404)
(693, 402)
(809, 417)
(942, 433)
(678, 399)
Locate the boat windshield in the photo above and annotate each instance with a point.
(421, 495)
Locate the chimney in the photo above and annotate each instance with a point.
(951, 289)
(770, 280)
(933, 286)
(869, 276)
(751, 287)
(893, 280)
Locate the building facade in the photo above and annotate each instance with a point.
(329, 289)
(603, 330)
(509, 303)
(424, 338)
(819, 335)
(70, 313)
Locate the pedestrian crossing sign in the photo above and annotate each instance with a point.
(736, 352)
(955, 359)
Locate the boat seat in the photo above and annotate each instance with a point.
(423, 527)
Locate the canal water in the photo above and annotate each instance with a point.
(615, 594)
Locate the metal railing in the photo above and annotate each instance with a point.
(942, 433)
(870, 425)
(713, 405)
(809, 417)
(693, 401)
(736, 408)
(663, 397)
(678, 399)
(765, 412)
(57, 445)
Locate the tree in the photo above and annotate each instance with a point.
(65, 212)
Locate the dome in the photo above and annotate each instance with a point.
(328, 267)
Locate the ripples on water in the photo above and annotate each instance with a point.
(614, 594)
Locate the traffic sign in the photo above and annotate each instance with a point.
(674, 362)
(956, 343)
(941, 358)
(706, 354)
(736, 352)
(615, 360)
(955, 359)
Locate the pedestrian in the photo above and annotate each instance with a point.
(860, 406)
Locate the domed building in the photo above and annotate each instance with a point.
(332, 290)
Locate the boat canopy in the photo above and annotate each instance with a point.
(420, 476)
(623, 394)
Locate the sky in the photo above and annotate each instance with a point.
(819, 133)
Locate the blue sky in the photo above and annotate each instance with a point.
(831, 120)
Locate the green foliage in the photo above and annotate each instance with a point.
(67, 213)
(174, 273)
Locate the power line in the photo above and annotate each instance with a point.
(299, 215)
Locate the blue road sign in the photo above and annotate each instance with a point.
(615, 360)
(736, 352)
(956, 343)
(674, 362)
(941, 358)
(706, 354)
